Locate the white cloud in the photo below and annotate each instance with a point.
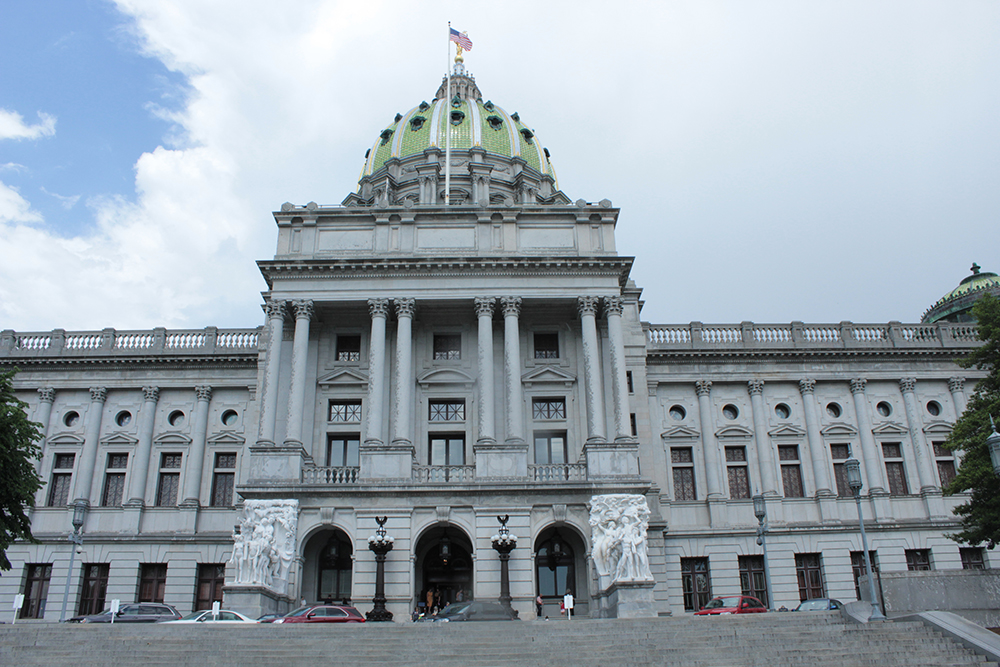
(66, 201)
(14, 208)
(12, 126)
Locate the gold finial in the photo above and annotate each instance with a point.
(458, 53)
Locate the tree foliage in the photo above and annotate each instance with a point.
(19, 449)
(980, 516)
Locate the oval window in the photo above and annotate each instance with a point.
(72, 418)
(730, 411)
(677, 412)
(884, 408)
(123, 418)
(934, 408)
(176, 418)
(782, 411)
(834, 410)
(230, 417)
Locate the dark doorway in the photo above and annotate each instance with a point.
(328, 567)
(444, 567)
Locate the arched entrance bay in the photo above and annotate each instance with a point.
(561, 565)
(444, 567)
(328, 567)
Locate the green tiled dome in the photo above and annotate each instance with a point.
(956, 305)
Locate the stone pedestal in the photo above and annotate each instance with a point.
(631, 600)
(389, 462)
(255, 601)
(276, 463)
(612, 459)
(501, 460)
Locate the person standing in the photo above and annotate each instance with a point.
(538, 605)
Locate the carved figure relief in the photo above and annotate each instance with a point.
(618, 531)
(264, 545)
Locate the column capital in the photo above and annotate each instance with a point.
(99, 394)
(405, 307)
(587, 305)
(274, 309)
(956, 384)
(807, 386)
(151, 394)
(485, 305)
(755, 387)
(703, 387)
(907, 385)
(203, 392)
(378, 308)
(303, 309)
(46, 394)
(858, 385)
(613, 305)
(511, 305)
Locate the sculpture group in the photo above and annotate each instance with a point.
(264, 543)
(618, 524)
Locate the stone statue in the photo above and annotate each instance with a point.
(264, 543)
(618, 528)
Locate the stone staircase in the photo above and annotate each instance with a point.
(765, 640)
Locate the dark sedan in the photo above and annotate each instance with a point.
(146, 612)
(323, 613)
(473, 611)
(732, 604)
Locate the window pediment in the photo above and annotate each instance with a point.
(680, 432)
(734, 432)
(548, 375)
(889, 428)
(445, 376)
(172, 439)
(839, 430)
(226, 438)
(344, 377)
(939, 428)
(119, 440)
(65, 439)
(787, 431)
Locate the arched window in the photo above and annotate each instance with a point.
(554, 565)
(335, 570)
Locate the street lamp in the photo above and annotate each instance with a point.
(993, 443)
(504, 543)
(380, 544)
(760, 511)
(76, 539)
(852, 467)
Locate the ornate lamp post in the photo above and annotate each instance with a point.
(76, 539)
(760, 511)
(852, 467)
(380, 544)
(504, 543)
(993, 443)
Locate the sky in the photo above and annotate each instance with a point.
(773, 161)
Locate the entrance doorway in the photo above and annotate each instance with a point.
(444, 568)
(328, 571)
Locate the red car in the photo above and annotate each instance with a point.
(732, 604)
(323, 613)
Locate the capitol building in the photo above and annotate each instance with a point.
(456, 343)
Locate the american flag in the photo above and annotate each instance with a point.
(461, 40)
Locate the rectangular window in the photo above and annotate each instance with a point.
(447, 411)
(223, 478)
(752, 580)
(548, 408)
(447, 346)
(858, 568)
(631, 421)
(895, 472)
(810, 576)
(447, 449)
(348, 348)
(791, 471)
(696, 583)
(918, 559)
(95, 588)
(739, 478)
(682, 463)
(839, 454)
(36, 590)
(972, 558)
(114, 480)
(550, 447)
(945, 463)
(170, 478)
(628, 382)
(546, 345)
(152, 582)
(62, 476)
(345, 412)
(343, 450)
(211, 577)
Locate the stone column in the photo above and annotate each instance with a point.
(272, 370)
(403, 384)
(596, 429)
(487, 418)
(925, 466)
(710, 446)
(300, 354)
(46, 397)
(379, 309)
(512, 368)
(140, 466)
(196, 454)
(817, 449)
(956, 386)
(869, 450)
(91, 438)
(765, 454)
(619, 382)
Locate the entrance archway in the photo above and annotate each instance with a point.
(560, 565)
(328, 567)
(443, 567)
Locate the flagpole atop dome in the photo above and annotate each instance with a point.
(447, 127)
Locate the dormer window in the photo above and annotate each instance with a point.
(527, 134)
(489, 105)
(457, 117)
(424, 106)
(496, 122)
(417, 122)
(386, 135)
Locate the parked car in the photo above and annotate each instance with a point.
(224, 617)
(145, 612)
(473, 611)
(819, 604)
(732, 604)
(323, 613)
(269, 618)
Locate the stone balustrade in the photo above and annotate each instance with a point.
(453, 474)
(330, 475)
(557, 472)
(109, 342)
(799, 335)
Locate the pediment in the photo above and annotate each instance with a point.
(344, 377)
(787, 431)
(548, 374)
(939, 428)
(734, 432)
(839, 430)
(172, 439)
(439, 376)
(65, 439)
(677, 432)
(889, 428)
(119, 440)
(227, 438)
